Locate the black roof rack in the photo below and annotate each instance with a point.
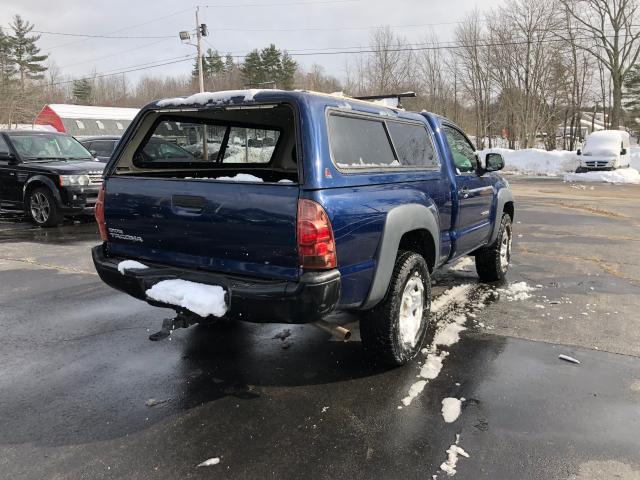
(399, 96)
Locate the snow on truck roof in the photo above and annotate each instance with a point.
(226, 96)
(64, 110)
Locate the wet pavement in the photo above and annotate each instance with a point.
(77, 370)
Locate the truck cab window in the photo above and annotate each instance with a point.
(464, 155)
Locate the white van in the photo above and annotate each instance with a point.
(605, 150)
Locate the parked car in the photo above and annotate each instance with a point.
(100, 147)
(48, 175)
(353, 209)
(605, 150)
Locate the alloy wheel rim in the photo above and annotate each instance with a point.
(411, 310)
(40, 207)
(505, 250)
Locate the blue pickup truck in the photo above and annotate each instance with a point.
(296, 204)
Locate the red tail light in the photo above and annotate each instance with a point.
(99, 213)
(316, 245)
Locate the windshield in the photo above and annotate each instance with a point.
(48, 146)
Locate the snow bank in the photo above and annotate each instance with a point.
(623, 175)
(533, 161)
(451, 408)
(241, 177)
(206, 98)
(129, 265)
(201, 299)
(635, 157)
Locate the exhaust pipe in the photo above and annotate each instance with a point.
(337, 331)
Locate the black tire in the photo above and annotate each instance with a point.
(380, 327)
(43, 209)
(581, 170)
(490, 263)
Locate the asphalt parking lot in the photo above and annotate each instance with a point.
(77, 372)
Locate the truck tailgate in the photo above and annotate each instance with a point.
(229, 227)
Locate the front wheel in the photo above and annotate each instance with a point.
(492, 261)
(43, 208)
(394, 330)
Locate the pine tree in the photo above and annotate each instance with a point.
(228, 63)
(25, 52)
(82, 91)
(287, 72)
(252, 70)
(7, 62)
(214, 63)
(271, 63)
(632, 88)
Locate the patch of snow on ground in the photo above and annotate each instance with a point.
(414, 391)
(241, 177)
(451, 408)
(449, 467)
(450, 296)
(205, 98)
(201, 299)
(622, 175)
(125, 265)
(210, 462)
(432, 365)
(450, 333)
(516, 291)
(533, 161)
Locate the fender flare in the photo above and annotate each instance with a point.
(400, 220)
(44, 180)
(504, 196)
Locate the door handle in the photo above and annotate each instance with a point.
(464, 192)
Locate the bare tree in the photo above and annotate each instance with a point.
(610, 36)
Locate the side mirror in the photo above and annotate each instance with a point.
(623, 151)
(578, 152)
(8, 157)
(93, 153)
(493, 162)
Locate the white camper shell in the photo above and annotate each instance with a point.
(605, 150)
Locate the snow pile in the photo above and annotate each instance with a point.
(206, 98)
(241, 177)
(451, 408)
(623, 175)
(201, 299)
(130, 265)
(210, 462)
(533, 161)
(516, 291)
(449, 467)
(465, 264)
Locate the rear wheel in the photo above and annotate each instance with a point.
(43, 208)
(492, 262)
(394, 330)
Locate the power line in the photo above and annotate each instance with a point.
(133, 68)
(281, 4)
(91, 35)
(113, 54)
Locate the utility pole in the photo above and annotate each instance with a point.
(199, 46)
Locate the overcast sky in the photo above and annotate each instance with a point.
(235, 26)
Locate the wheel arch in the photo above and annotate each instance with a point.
(504, 204)
(412, 227)
(39, 181)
